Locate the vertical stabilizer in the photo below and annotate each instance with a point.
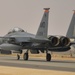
(43, 28)
(71, 29)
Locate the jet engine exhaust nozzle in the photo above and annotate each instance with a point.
(65, 41)
(54, 41)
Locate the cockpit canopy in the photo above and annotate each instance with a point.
(15, 30)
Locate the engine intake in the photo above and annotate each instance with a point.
(54, 41)
(11, 40)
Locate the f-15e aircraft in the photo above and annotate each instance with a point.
(17, 39)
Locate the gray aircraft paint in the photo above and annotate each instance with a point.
(30, 41)
(43, 27)
(22, 36)
(7, 46)
(71, 29)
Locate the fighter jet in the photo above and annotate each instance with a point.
(17, 39)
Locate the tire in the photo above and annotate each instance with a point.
(25, 56)
(48, 57)
(18, 57)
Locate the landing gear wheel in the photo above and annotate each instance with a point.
(48, 57)
(18, 57)
(25, 56)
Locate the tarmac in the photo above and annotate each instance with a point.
(38, 63)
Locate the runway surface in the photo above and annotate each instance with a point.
(38, 63)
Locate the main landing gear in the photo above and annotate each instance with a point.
(48, 56)
(26, 56)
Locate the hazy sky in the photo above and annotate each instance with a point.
(27, 15)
